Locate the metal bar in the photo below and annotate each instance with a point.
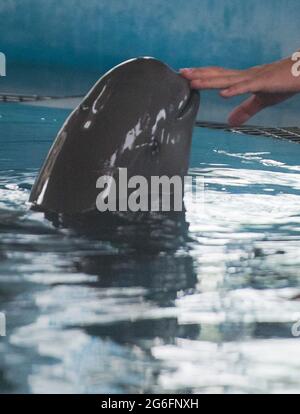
(288, 133)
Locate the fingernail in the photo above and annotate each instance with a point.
(225, 92)
(186, 70)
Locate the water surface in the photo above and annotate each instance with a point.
(206, 311)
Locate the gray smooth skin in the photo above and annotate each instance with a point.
(139, 116)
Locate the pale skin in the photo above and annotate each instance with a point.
(268, 85)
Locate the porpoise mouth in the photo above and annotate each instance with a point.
(189, 106)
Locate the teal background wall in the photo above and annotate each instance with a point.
(61, 47)
(97, 34)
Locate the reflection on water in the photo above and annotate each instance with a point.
(209, 309)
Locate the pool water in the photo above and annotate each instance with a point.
(208, 311)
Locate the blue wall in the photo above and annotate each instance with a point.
(97, 34)
(61, 47)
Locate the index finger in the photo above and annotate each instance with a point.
(213, 71)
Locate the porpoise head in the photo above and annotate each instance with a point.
(138, 116)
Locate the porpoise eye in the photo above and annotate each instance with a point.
(154, 147)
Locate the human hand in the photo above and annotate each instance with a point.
(269, 85)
